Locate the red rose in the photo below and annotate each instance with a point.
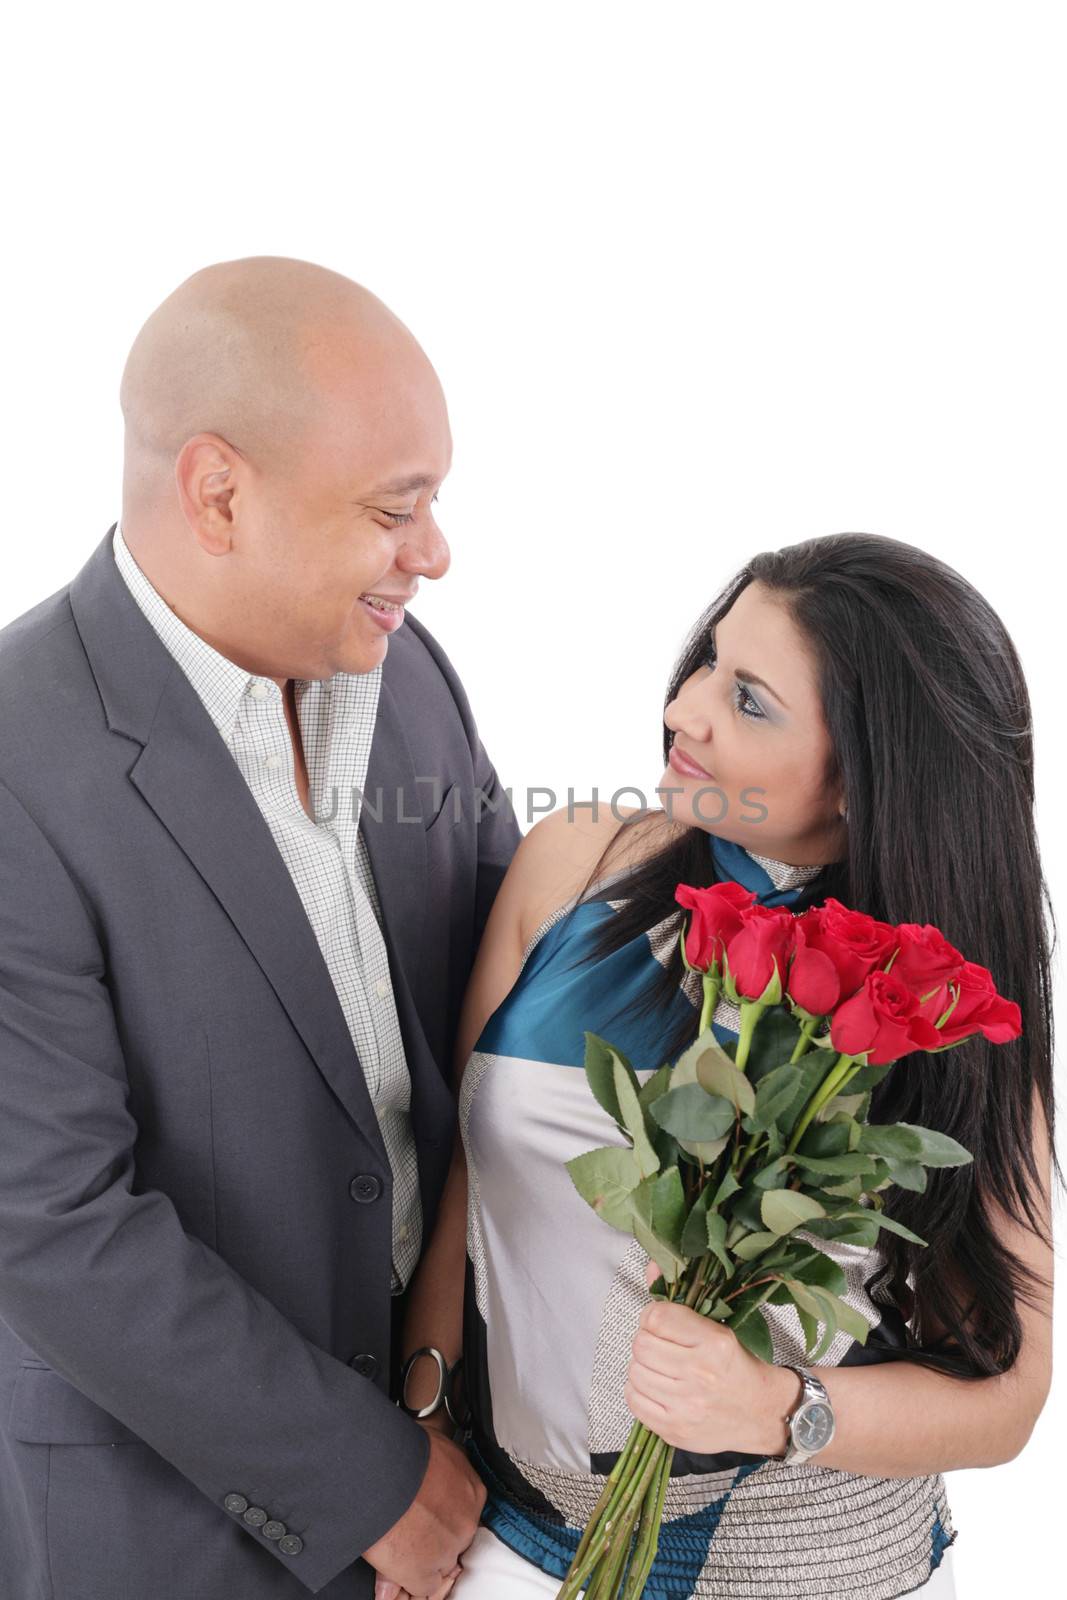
(980, 1009)
(765, 938)
(883, 1021)
(814, 981)
(926, 960)
(835, 950)
(716, 919)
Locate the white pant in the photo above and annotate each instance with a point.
(493, 1572)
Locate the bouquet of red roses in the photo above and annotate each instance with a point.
(735, 1149)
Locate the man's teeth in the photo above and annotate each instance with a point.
(380, 605)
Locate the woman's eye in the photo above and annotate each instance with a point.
(746, 705)
(743, 701)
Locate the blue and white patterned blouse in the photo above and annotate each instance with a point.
(554, 1295)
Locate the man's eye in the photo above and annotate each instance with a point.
(398, 518)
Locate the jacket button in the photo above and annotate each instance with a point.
(291, 1545)
(236, 1503)
(365, 1365)
(273, 1530)
(365, 1188)
(255, 1516)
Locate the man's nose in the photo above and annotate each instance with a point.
(427, 555)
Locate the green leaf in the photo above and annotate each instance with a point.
(938, 1150)
(857, 1228)
(685, 1068)
(755, 1335)
(820, 1271)
(845, 1165)
(909, 1175)
(717, 1242)
(866, 1077)
(606, 1179)
(719, 1076)
(660, 1204)
(892, 1140)
(846, 1105)
(633, 1118)
(882, 1221)
(600, 1060)
(695, 1232)
(785, 1209)
(824, 1139)
(810, 1326)
(775, 1038)
(728, 1186)
(851, 1189)
(775, 1093)
(690, 1113)
(654, 1086)
(754, 1244)
(775, 1175)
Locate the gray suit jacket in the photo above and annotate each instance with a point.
(194, 1193)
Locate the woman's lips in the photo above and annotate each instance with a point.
(686, 765)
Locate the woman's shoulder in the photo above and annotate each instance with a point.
(552, 864)
(556, 859)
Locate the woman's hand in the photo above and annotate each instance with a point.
(384, 1589)
(693, 1382)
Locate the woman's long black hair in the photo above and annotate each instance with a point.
(928, 713)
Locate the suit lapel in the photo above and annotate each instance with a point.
(185, 772)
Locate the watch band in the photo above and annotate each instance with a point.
(814, 1392)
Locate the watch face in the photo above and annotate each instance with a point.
(813, 1426)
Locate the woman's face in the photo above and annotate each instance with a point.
(762, 746)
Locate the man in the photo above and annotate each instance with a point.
(249, 838)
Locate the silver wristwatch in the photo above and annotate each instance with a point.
(811, 1424)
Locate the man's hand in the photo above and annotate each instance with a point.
(420, 1553)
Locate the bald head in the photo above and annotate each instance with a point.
(245, 349)
(285, 438)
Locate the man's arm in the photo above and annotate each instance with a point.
(108, 1288)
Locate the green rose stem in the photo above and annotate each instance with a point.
(640, 1449)
(712, 986)
(631, 1502)
(835, 1079)
(648, 1532)
(807, 1033)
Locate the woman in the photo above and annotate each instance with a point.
(849, 718)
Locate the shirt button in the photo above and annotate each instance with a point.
(255, 1516)
(273, 1530)
(235, 1503)
(273, 762)
(365, 1188)
(365, 1365)
(291, 1545)
(259, 691)
(381, 988)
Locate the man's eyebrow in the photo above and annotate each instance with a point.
(418, 480)
(752, 677)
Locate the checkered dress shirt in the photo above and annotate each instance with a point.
(327, 859)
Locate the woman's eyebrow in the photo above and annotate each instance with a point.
(752, 677)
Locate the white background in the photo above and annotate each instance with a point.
(699, 280)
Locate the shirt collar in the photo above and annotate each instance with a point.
(220, 682)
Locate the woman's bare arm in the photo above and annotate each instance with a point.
(549, 866)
